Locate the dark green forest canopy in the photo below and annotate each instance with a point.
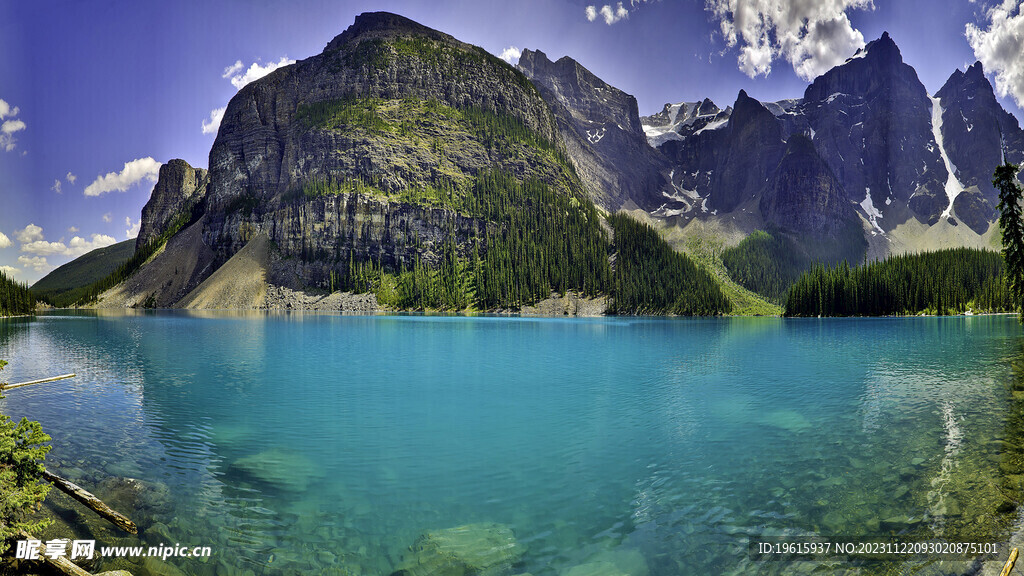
(942, 282)
(15, 298)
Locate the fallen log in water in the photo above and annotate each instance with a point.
(86, 498)
(1009, 563)
(60, 563)
(31, 382)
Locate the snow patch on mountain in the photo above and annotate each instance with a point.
(873, 214)
(953, 184)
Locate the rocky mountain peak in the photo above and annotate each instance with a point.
(382, 25)
(747, 109)
(975, 71)
(177, 187)
(600, 126)
(873, 69)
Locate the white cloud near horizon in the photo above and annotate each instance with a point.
(239, 79)
(37, 263)
(5, 242)
(511, 53)
(999, 46)
(812, 35)
(133, 229)
(9, 271)
(77, 246)
(133, 172)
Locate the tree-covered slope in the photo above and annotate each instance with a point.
(404, 162)
(942, 282)
(15, 298)
(69, 282)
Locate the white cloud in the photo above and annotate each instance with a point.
(254, 72)
(9, 128)
(9, 271)
(133, 229)
(56, 186)
(7, 110)
(73, 230)
(37, 263)
(30, 233)
(44, 248)
(5, 242)
(233, 69)
(108, 217)
(239, 79)
(1000, 47)
(812, 35)
(611, 14)
(76, 247)
(71, 178)
(213, 124)
(133, 173)
(509, 54)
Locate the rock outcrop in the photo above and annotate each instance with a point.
(486, 549)
(390, 110)
(895, 153)
(177, 187)
(600, 125)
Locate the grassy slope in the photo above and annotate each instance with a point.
(705, 244)
(84, 270)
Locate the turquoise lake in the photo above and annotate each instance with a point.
(327, 444)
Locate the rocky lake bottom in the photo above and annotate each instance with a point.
(336, 445)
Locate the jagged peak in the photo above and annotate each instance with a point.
(971, 83)
(884, 48)
(706, 106)
(377, 24)
(975, 71)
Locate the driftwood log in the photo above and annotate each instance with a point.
(31, 382)
(92, 502)
(1009, 563)
(60, 564)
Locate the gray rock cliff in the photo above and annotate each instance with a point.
(177, 185)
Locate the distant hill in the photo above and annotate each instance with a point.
(68, 282)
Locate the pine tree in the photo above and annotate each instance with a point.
(22, 450)
(1005, 180)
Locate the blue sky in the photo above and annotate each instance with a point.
(95, 95)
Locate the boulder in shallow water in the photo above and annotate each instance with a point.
(486, 549)
(279, 468)
(140, 500)
(595, 569)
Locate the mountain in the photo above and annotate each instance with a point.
(600, 126)
(406, 163)
(65, 284)
(912, 167)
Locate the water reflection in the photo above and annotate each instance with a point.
(658, 443)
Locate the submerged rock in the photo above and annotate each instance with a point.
(140, 500)
(278, 468)
(619, 562)
(486, 549)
